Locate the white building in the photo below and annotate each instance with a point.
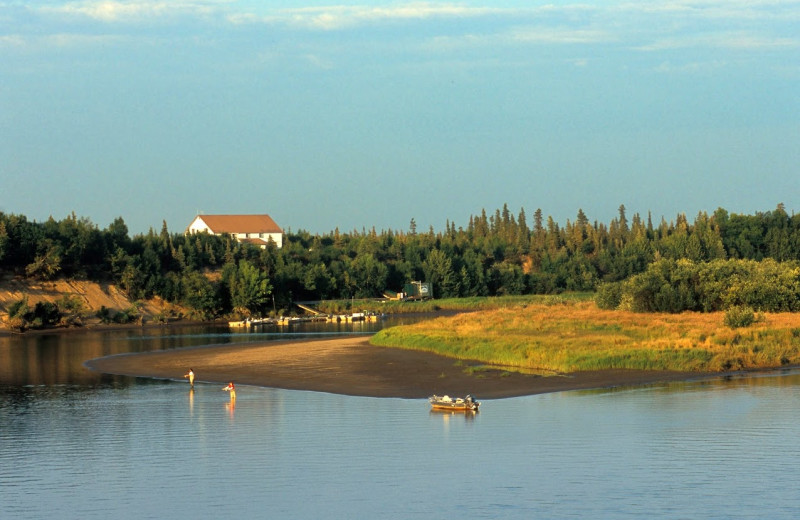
(254, 229)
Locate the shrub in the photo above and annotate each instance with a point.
(609, 296)
(105, 314)
(16, 323)
(42, 315)
(739, 316)
(128, 315)
(19, 308)
(71, 303)
(72, 309)
(46, 314)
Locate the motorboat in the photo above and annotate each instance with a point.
(455, 404)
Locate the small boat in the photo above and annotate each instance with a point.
(457, 404)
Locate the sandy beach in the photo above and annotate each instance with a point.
(351, 366)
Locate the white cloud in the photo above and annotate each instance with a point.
(12, 40)
(76, 40)
(692, 67)
(339, 17)
(648, 25)
(61, 40)
(786, 10)
(318, 62)
(132, 11)
(562, 35)
(727, 40)
(754, 42)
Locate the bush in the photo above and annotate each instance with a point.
(682, 285)
(128, 315)
(19, 308)
(46, 314)
(739, 316)
(42, 315)
(609, 296)
(72, 309)
(71, 303)
(105, 314)
(123, 317)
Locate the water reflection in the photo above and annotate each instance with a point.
(154, 449)
(58, 358)
(453, 416)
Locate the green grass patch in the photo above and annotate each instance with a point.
(577, 336)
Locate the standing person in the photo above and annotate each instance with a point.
(190, 375)
(230, 388)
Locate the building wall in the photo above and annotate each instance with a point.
(276, 237)
(198, 226)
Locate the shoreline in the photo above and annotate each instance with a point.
(351, 366)
(101, 327)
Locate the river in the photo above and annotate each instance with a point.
(77, 444)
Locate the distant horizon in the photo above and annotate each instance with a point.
(421, 229)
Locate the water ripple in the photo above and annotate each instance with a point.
(720, 450)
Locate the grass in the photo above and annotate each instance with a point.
(451, 304)
(576, 336)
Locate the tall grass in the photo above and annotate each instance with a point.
(577, 336)
(450, 304)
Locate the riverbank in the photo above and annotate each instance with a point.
(351, 366)
(579, 337)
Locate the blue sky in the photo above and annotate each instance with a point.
(356, 115)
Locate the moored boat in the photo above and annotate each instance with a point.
(456, 404)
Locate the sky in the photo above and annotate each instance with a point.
(367, 115)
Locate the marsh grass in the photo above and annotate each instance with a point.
(577, 336)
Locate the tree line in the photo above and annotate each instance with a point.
(673, 286)
(498, 253)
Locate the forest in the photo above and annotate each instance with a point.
(711, 263)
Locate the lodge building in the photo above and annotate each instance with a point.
(253, 229)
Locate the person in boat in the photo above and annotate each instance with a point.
(232, 389)
(190, 375)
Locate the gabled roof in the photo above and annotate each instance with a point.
(240, 223)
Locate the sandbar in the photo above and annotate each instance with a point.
(351, 366)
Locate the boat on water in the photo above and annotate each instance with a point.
(292, 320)
(455, 404)
(250, 322)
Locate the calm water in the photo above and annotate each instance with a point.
(74, 444)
